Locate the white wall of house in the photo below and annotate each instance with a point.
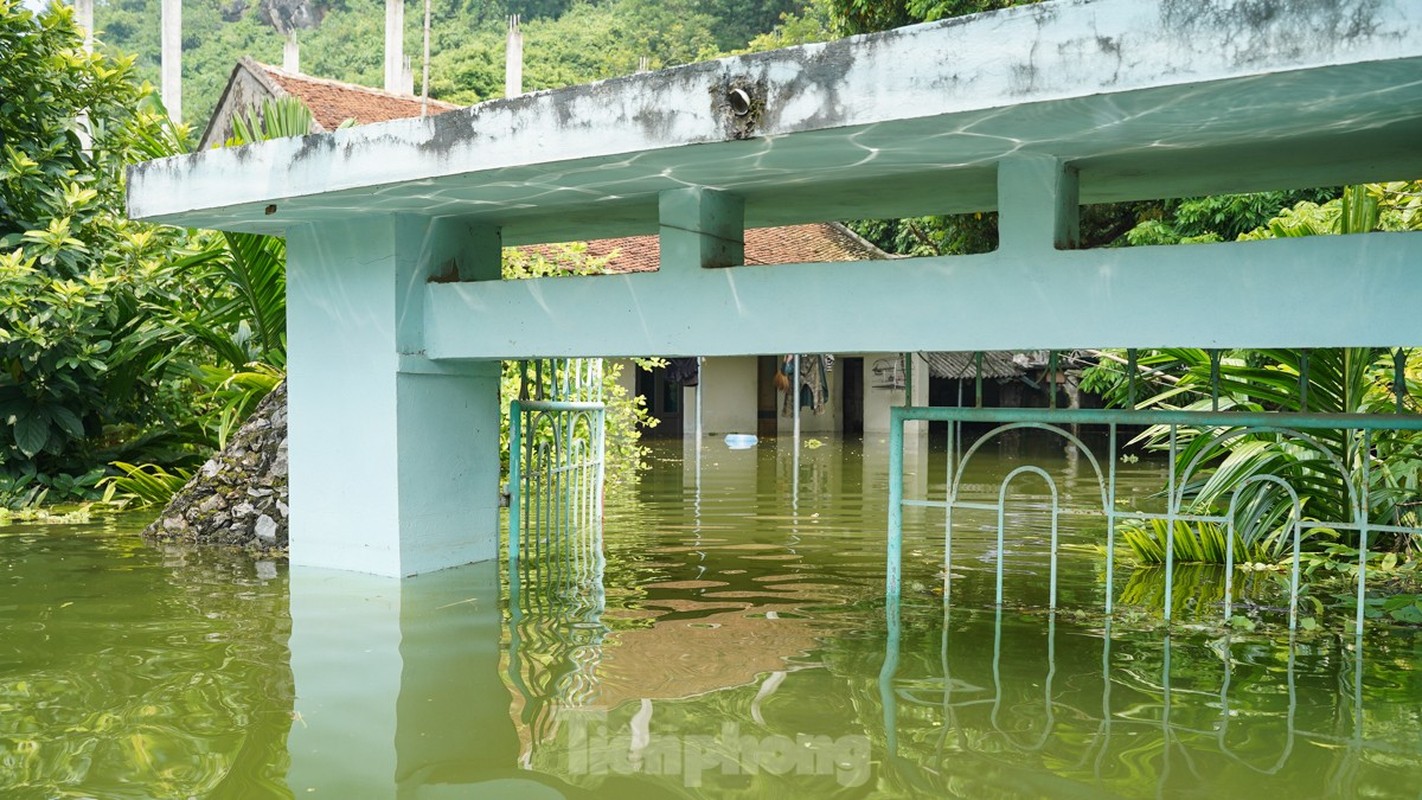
(728, 405)
(877, 402)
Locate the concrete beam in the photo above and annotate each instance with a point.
(701, 228)
(1326, 291)
(1146, 98)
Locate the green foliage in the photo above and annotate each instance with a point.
(867, 16)
(88, 371)
(1216, 218)
(813, 23)
(1202, 543)
(1339, 381)
(237, 392)
(143, 486)
(1325, 472)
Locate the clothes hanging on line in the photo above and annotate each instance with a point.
(812, 386)
(683, 371)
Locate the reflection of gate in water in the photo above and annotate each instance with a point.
(555, 552)
(1344, 459)
(1095, 744)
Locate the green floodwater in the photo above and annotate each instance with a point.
(734, 646)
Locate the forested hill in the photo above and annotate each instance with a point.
(565, 41)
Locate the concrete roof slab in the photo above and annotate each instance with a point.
(1148, 98)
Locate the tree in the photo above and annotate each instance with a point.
(867, 16)
(88, 373)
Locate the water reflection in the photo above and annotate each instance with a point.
(413, 663)
(133, 672)
(735, 647)
(747, 651)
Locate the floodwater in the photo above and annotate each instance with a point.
(734, 644)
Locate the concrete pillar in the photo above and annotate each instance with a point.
(513, 60)
(1038, 204)
(394, 459)
(84, 18)
(291, 53)
(172, 58)
(701, 228)
(395, 46)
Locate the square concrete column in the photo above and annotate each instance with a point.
(701, 228)
(1038, 204)
(394, 458)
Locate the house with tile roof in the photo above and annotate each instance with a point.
(738, 394)
(331, 103)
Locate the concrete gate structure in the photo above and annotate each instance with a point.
(398, 318)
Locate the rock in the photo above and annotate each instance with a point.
(238, 498)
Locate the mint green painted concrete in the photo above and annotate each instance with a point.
(1360, 290)
(701, 228)
(1039, 204)
(1028, 111)
(394, 465)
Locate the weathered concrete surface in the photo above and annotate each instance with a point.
(1147, 98)
(238, 498)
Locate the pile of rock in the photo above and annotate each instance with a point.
(239, 497)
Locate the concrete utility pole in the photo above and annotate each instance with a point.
(425, 67)
(84, 18)
(513, 60)
(291, 53)
(172, 59)
(394, 46)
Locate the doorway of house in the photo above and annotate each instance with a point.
(852, 402)
(663, 402)
(766, 425)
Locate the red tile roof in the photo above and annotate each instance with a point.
(333, 102)
(788, 244)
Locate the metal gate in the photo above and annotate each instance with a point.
(555, 549)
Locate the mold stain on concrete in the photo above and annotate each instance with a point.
(1262, 30)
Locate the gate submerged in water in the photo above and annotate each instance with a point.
(557, 448)
(557, 452)
(1351, 470)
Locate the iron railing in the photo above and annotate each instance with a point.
(1353, 470)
